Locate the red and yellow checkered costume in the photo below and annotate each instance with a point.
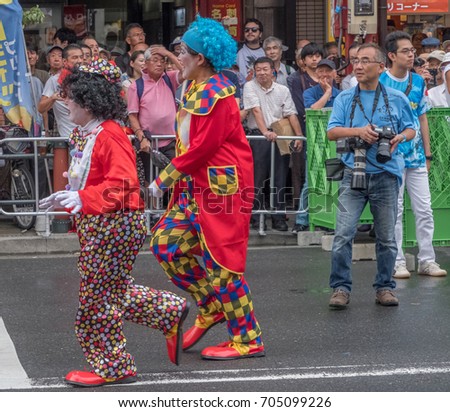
(209, 212)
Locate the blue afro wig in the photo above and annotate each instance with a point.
(209, 37)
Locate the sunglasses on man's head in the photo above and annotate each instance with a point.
(253, 29)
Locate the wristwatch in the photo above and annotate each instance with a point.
(430, 157)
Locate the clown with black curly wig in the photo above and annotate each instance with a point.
(104, 195)
(209, 213)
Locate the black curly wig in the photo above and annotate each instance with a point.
(96, 94)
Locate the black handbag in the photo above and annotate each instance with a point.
(159, 159)
(334, 169)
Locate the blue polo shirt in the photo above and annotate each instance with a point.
(399, 116)
(315, 93)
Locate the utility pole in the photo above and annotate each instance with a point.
(382, 21)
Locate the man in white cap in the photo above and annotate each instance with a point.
(434, 60)
(439, 95)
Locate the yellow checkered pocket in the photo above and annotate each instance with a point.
(223, 180)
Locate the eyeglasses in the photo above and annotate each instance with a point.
(363, 62)
(249, 29)
(141, 34)
(407, 51)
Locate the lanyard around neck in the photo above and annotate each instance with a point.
(357, 101)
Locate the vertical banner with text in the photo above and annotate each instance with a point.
(15, 97)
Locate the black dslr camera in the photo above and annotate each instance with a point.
(433, 82)
(385, 134)
(358, 147)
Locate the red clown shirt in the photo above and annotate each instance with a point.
(214, 155)
(112, 183)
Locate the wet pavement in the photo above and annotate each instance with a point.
(308, 347)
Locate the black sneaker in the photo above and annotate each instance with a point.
(299, 228)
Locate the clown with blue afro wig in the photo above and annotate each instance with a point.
(210, 38)
(213, 193)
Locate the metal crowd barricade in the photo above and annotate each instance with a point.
(35, 156)
(149, 209)
(261, 212)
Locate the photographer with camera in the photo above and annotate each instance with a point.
(417, 155)
(371, 120)
(434, 60)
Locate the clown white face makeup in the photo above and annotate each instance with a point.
(77, 114)
(189, 63)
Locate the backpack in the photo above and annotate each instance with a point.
(140, 86)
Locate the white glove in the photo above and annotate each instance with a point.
(69, 200)
(154, 190)
(48, 203)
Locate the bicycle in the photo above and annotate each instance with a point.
(18, 182)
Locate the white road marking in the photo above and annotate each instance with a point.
(12, 375)
(264, 374)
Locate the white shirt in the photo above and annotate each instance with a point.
(349, 81)
(246, 57)
(447, 95)
(65, 126)
(275, 102)
(437, 96)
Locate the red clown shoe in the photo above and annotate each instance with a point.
(233, 350)
(175, 336)
(90, 379)
(202, 324)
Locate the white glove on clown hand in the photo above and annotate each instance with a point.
(69, 200)
(155, 191)
(48, 203)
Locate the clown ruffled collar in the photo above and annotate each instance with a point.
(201, 98)
(83, 139)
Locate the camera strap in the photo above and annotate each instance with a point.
(357, 101)
(409, 87)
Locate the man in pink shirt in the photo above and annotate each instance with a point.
(155, 109)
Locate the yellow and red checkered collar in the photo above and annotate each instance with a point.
(201, 98)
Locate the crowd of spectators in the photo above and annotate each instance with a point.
(152, 84)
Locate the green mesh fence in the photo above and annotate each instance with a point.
(323, 194)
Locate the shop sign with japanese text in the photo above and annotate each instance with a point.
(417, 6)
(228, 12)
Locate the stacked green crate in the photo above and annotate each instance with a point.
(439, 178)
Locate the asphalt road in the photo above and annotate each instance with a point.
(309, 347)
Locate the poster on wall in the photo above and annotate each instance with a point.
(75, 18)
(417, 7)
(228, 12)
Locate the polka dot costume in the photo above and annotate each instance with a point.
(108, 294)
